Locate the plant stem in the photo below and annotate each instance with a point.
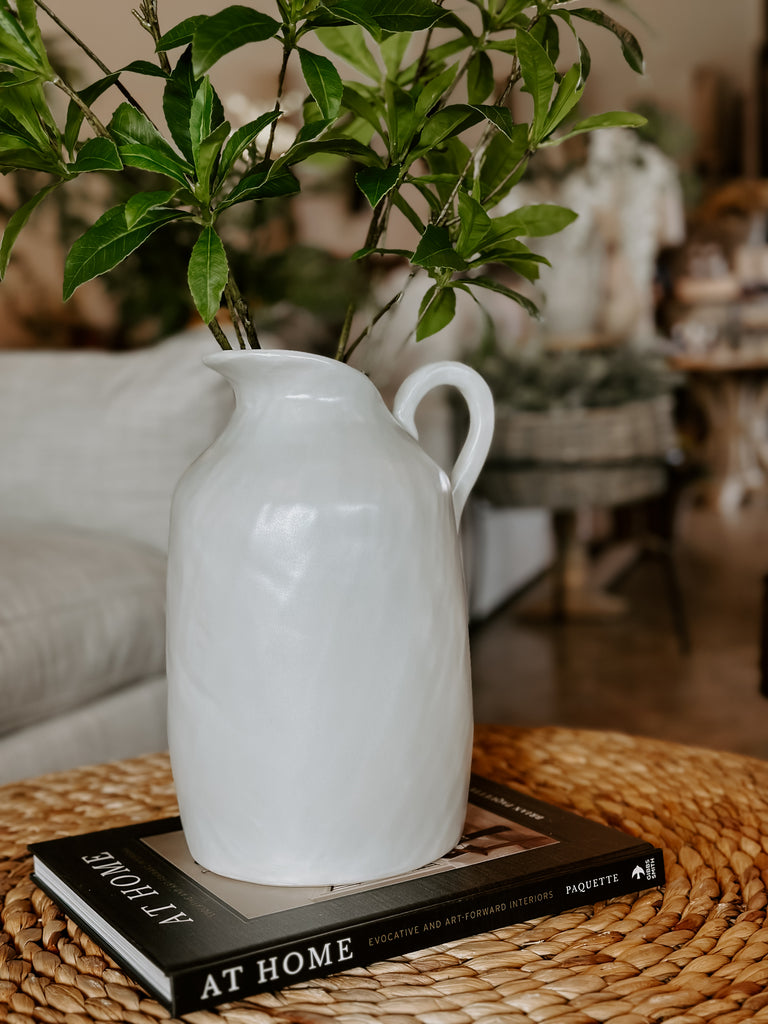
(87, 50)
(215, 328)
(233, 318)
(481, 145)
(379, 314)
(241, 314)
(287, 47)
(146, 16)
(344, 336)
(88, 114)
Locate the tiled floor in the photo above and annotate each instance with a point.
(629, 674)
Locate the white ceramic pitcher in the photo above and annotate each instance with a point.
(320, 716)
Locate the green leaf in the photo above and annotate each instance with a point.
(309, 131)
(323, 81)
(436, 310)
(97, 155)
(435, 188)
(539, 76)
(360, 254)
(545, 31)
(148, 158)
(496, 286)
(405, 15)
(611, 119)
(630, 47)
(408, 212)
(15, 155)
(363, 105)
(11, 79)
(351, 148)
(525, 266)
(204, 116)
(10, 125)
(480, 80)
(501, 117)
(240, 140)
(388, 15)
(178, 97)
(226, 31)
(261, 185)
(445, 124)
(129, 125)
(139, 205)
(585, 61)
(75, 113)
(360, 129)
(393, 49)
(181, 34)
(446, 163)
(509, 250)
(17, 221)
(27, 11)
(474, 226)
(451, 20)
(107, 243)
(568, 94)
(506, 14)
(16, 48)
(377, 182)
(504, 45)
(144, 67)
(207, 274)
(533, 221)
(348, 42)
(206, 159)
(355, 11)
(25, 105)
(401, 120)
(141, 145)
(436, 251)
(503, 163)
(518, 257)
(431, 91)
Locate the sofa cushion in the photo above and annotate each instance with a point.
(99, 439)
(81, 614)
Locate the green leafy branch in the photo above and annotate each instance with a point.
(443, 164)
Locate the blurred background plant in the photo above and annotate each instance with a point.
(538, 379)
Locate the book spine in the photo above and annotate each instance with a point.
(361, 944)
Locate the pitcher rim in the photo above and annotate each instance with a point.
(214, 359)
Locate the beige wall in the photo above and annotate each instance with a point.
(677, 36)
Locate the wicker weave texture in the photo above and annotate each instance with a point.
(696, 952)
(635, 430)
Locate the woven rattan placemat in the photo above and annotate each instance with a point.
(698, 952)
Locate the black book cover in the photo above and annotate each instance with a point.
(194, 939)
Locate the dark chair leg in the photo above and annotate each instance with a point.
(764, 639)
(676, 602)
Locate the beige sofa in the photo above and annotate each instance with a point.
(91, 446)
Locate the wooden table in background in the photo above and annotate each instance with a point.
(696, 952)
(576, 588)
(732, 392)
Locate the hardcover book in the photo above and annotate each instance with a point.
(194, 939)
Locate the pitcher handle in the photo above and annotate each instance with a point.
(477, 395)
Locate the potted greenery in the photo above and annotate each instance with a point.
(320, 708)
(442, 160)
(575, 424)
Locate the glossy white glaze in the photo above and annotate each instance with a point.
(320, 717)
